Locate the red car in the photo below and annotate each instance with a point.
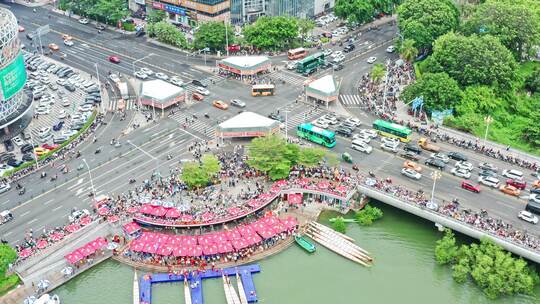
(520, 184)
(114, 59)
(468, 185)
(49, 147)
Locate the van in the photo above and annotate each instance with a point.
(533, 207)
(513, 174)
(361, 146)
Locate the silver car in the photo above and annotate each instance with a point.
(410, 173)
(238, 103)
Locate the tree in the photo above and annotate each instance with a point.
(305, 26)
(473, 60)
(516, 25)
(273, 156)
(446, 249)
(531, 132)
(210, 165)
(166, 33)
(272, 33)
(425, 20)
(193, 175)
(7, 256)
(408, 51)
(439, 91)
(479, 99)
(156, 16)
(112, 10)
(368, 215)
(339, 225)
(310, 157)
(377, 72)
(212, 35)
(332, 160)
(532, 82)
(359, 11)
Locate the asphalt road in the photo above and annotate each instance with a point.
(47, 204)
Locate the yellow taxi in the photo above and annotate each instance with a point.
(412, 165)
(40, 151)
(66, 37)
(510, 190)
(53, 47)
(220, 104)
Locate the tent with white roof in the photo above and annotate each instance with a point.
(323, 90)
(160, 94)
(245, 65)
(247, 124)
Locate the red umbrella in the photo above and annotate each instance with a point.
(275, 189)
(159, 211)
(290, 222)
(131, 227)
(103, 211)
(132, 209)
(113, 219)
(42, 244)
(281, 183)
(136, 245)
(172, 213)
(26, 252)
(85, 221)
(253, 203)
(147, 209)
(57, 236)
(208, 216)
(323, 185)
(265, 196)
(233, 234)
(74, 257)
(186, 218)
(178, 251)
(295, 199)
(303, 181)
(233, 211)
(73, 227)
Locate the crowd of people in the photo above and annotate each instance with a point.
(478, 219)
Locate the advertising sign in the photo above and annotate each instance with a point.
(12, 78)
(175, 9)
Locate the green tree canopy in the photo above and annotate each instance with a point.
(199, 174)
(310, 157)
(368, 215)
(473, 60)
(305, 26)
(7, 256)
(531, 133)
(446, 249)
(532, 82)
(112, 10)
(156, 16)
(425, 20)
(166, 33)
(516, 25)
(272, 33)
(212, 35)
(440, 92)
(359, 11)
(210, 165)
(479, 99)
(408, 51)
(377, 72)
(339, 225)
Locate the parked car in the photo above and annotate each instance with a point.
(460, 172)
(162, 76)
(464, 165)
(514, 174)
(519, 184)
(487, 166)
(489, 181)
(238, 103)
(141, 75)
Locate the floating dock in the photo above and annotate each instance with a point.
(194, 281)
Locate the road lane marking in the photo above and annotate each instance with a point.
(157, 134)
(8, 233)
(25, 213)
(4, 203)
(34, 220)
(76, 184)
(57, 208)
(47, 202)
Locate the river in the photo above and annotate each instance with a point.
(404, 271)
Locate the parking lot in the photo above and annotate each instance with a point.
(63, 100)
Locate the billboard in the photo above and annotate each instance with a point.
(12, 78)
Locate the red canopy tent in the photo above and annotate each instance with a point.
(295, 198)
(225, 247)
(233, 211)
(186, 218)
(233, 234)
(341, 189)
(73, 257)
(85, 220)
(26, 252)
(210, 249)
(323, 185)
(113, 219)
(147, 209)
(205, 239)
(150, 247)
(86, 250)
(220, 237)
(303, 181)
(72, 227)
(175, 240)
(195, 251)
(131, 227)
(161, 238)
(42, 244)
(98, 243)
(265, 196)
(132, 210)
(178, 251)
(148, 236)
(137, 246)
(253, 203)
(275, 189)
(266, 233)
(208, 216)
(239, 244)
(253, 239)
(190, 240)
(103, 211)
(165, 250)
(280, 183)
(57, 236)
(159, 211)
(172, 213)
(290, 222)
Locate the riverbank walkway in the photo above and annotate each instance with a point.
(195, 282)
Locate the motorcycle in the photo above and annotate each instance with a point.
(90, 194)
(53, 178)
(22, 191)
(355, 167)
(98, 150)
(18, 186)
(78, 154)
(132, 180)
(169, 157)
(43, 174)
(206, 115)
(371, 174)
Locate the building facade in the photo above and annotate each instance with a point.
(247, 11)
(15, 104)
(186, 12)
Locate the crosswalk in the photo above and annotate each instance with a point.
(195, 124)
(306, 115)
(351, 101)
(288, 77)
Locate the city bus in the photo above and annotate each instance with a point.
(262, 90)
(317, 135)
(390, 129)
(310, 63)
(298, 53)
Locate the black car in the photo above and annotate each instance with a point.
(276, 116)
(26, 148)
(338, 67)
(309, 72)
(344, 131)
(9, 145)
(410, 155)
(28, 157)
(348, 48)
(15, 162)
(439, 164)
(198, 83)
(70, 88)
(486, 173)
(413, 148)
(457, 156)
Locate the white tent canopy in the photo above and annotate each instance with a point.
(247, 124)
(325, 85)
(160, 90)
(246, 61)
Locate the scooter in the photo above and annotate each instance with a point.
(206, 115)
(22, 191)
(132, 180)
(43, 174)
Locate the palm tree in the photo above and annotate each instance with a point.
(378, 72)
(408, 51)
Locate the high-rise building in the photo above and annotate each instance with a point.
(246, 11)
(186, 12)
(14, 103)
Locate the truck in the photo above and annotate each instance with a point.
(424, 144)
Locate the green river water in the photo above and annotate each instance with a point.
(404, 272)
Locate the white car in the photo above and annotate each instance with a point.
(86, 108)
(339, 59)
(18, 141)
(321, 123)
(147, 71)
(464, 165)
(461, 172)
(4, 187)
(488, 166)
(337, 54)
(331, 119)
(390, 49)
(68, 133)
(371, 60)
(83, 21)
(202, 91)
(369, 132)
(65, 102)
(114, 77)
(176, 81)
(361, 146)
(354, 121)
(513, 174)
(141, 75)
(441, 157)
(489, 181)
(42, 110)
(528, 217)
(410, 173)
(291, 65)
(62, 114)
(327, 52)
(43, 131)
(162, 76)
(362, 136)
(389, 140)
(68, 42)
(390, 147)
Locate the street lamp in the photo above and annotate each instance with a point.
(286, 125)
(488, 120)
(34, 152)
(435, 175)
(99, 87)
(147, 154)
(90, 174)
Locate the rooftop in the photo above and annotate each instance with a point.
(159, 89)
(246, 61)
(248, 120)
(325, 85)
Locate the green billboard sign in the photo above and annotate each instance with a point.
(12, 78)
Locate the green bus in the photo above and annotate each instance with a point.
(316, 135)
(310, 63)
(390, 129)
